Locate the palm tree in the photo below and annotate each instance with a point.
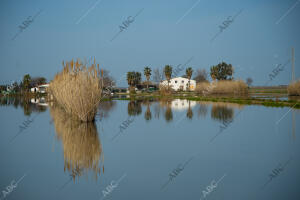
(189, 72)
(168, 73)
(137, 78)
(147, 73)
(130, 79)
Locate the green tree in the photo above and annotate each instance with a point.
(189, 73)
(133, 79)
(147, 73)
(137, 78)
(26, 82)
(222, 71)
(168, 73)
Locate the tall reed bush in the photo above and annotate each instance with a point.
(294, 88)
(226, 87)
(77, 89)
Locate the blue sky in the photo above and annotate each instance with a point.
(165, 32)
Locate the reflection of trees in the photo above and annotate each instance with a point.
(222, 113)
(23, 102)
(189, 113)
(81, 145)
(104, 108)
(156, 110)
(134, 108)
(202, 111)
(169, 114)
(148, 114)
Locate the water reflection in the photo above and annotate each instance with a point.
(222, 113)
(134, 108)
(202, 110)
(148, 114)
(189, 113)
(81, 145)
(25, 103)
(104, 108)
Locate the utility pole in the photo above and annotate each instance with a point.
(293, 64)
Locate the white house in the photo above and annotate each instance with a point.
(40, 88)
(180, 83)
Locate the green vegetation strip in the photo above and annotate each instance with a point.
(244, 101)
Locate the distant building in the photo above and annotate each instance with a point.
(180, 83)
(40, 88)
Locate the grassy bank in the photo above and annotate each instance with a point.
(245, 100)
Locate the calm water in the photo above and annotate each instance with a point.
(150, 150)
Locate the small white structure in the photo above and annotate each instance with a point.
(180, 83)
(40, 88)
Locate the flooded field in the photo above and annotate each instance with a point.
(175, 149)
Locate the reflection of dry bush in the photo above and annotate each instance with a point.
(81, 145)
(77, 89)
(227, 104)
(223, 87)
(294, 88)
(222, 113)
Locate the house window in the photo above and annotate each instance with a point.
(182, 81)
(175, 81)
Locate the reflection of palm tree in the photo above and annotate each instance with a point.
(222, 113)
(134, 108)
(81, 145)
(168, 114)
(148, 115)
(189, 113)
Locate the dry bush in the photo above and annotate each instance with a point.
(164, 90)
(77, 89)
(223, 87)
(81, 145)
(294, 88)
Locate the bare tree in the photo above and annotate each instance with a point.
(249, 81)
(158, 75)
(201, 75)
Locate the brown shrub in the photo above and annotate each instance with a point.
(294, 88)
(222, 87)
(77, 90)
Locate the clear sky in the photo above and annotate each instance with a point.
(165, 32)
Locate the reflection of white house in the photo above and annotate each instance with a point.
(41, 101)
(40, 88)
(180, 83)
(182, 104)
